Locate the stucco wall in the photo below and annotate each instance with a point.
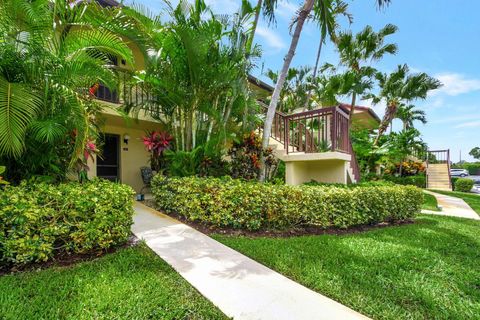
(329, 171)
(132, 155)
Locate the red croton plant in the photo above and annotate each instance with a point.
(156, 143)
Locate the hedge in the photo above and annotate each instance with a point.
(227, 202)
(39, 220)
(463, 185)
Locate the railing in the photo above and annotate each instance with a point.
(313, 131)
(128, 92)
(439, 157)
(318, 130)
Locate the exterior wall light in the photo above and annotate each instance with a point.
(126, 137)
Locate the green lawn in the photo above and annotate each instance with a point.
(426, 270)
(472, 199)
(429, 202)
(132, 283)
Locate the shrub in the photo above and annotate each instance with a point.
(39, 220)
(227, 202)
(463, 185)
(246, 156)
(419, 180)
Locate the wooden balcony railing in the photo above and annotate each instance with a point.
(313, 131)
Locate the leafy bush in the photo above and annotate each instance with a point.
(416, 180)
(463, 185)
(473, 168)
(246, 156)
(39, 220)
(227, 202)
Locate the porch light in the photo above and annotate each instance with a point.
(126, 137)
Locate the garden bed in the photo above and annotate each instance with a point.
(227, 203)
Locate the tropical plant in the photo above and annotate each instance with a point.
(265, 7)
(408, 115)
(327, 20)
(51, 53)
(198, 76)
(245, 159)
(400, 87)
(400, 145)
(356, 51)
(295, 89)
(300, 19)
(156, 144)
(2, 181)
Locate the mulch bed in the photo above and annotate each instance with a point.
(292, 232)
(64, 259)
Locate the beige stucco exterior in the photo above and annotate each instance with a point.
(327, 167)
(133, 155)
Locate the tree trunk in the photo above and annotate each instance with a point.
(386, 121)
(314, 75)
(352, 108)
(302, 16)
(258, 9)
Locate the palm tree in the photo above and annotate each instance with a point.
(400, 87)
(302, 15)
(46, 62)
(408, 114)
(267, 7)
(328, 25)
(365, 46)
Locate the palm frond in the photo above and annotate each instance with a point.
(18, 107)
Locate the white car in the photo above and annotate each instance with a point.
(476, 188)
(458, 172)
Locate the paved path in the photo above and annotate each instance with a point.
(452, 206)
(237, 285)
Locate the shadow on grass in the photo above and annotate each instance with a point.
(426, 270)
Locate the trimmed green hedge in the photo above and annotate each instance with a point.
(226, 202)
(463, 185)
(39, 220)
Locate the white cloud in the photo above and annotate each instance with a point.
(271, 38)
(455, 84)
(286, 9)
(468, 124)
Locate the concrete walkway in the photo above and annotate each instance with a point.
(452, 206)
(236, 284)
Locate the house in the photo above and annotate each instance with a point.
(314, 144)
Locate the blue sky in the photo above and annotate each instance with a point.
(434, 36)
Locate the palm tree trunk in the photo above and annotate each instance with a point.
(258, 9)
(314, 75)
(302, 16)
(386, 121)
(352, 108)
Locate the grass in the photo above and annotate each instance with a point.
(132, 283)
(472, 199)
(430, 202)
(426, 270)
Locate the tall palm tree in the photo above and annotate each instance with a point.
(408, 115)
(326, 29)
(365, 46)
(400, 87)
(300, 19)
(265, 7)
